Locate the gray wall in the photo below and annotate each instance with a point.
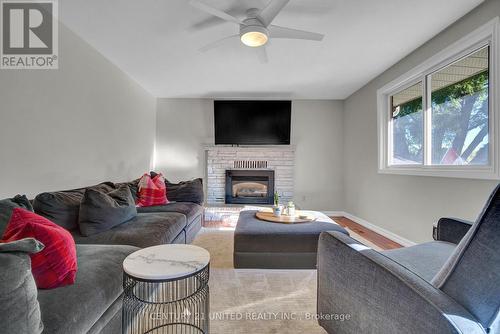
(317, 133)
(182, 127)
(405, 205)
(81, 124)
(185, 125)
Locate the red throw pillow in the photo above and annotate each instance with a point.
(151, 191)
(55, 265)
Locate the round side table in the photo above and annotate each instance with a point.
(166, 290)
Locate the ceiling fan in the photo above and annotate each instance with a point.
(256, 29)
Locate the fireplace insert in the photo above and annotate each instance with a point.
(249, 186)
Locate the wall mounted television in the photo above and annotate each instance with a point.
(252, 122)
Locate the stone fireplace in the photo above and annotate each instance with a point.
(252, 166)
(249, 186)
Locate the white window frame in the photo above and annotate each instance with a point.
(487, 34)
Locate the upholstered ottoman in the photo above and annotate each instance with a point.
(266, 245)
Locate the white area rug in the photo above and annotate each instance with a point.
(256, 300)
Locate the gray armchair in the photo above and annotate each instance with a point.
(450, 285)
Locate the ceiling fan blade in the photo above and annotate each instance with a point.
(215, 12)
(262, 54)
(211, 21)
(282, 32)
(217, 43)
(267, 15)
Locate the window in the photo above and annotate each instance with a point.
(407, 126)
(459, 102)
(441, 118)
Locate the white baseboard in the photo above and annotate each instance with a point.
(334, 213)
(382, 231)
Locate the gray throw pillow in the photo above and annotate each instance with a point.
(62, 207)
(20, 311)
(101, 211)
(6, 207)
(132, 185)
(186, 191)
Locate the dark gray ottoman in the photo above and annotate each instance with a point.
(266, 245)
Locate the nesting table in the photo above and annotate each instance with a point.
(166, 290)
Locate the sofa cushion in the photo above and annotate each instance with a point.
(6, 207)
(55, 265)
(186, 191)
(425, 259)
(190, 210)
(144, 230)
(62, 207)
(101, 211)
(18, 295)
(76, 308)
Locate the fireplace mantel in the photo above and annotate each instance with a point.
(280, 159)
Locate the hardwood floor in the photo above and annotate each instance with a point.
(366, 233)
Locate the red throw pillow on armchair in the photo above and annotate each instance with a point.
(56, 264)
(151, 191)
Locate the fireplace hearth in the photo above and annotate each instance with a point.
(249, 186)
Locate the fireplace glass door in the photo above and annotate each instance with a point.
(249, 186)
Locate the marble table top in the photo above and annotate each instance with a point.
(166, 261)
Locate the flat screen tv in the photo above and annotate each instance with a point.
(252, 122)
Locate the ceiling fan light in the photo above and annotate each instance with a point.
(254, 36)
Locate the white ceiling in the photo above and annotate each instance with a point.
(156, 42)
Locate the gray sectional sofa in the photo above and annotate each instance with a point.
(93, 303)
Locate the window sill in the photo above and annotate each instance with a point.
(476, 172)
